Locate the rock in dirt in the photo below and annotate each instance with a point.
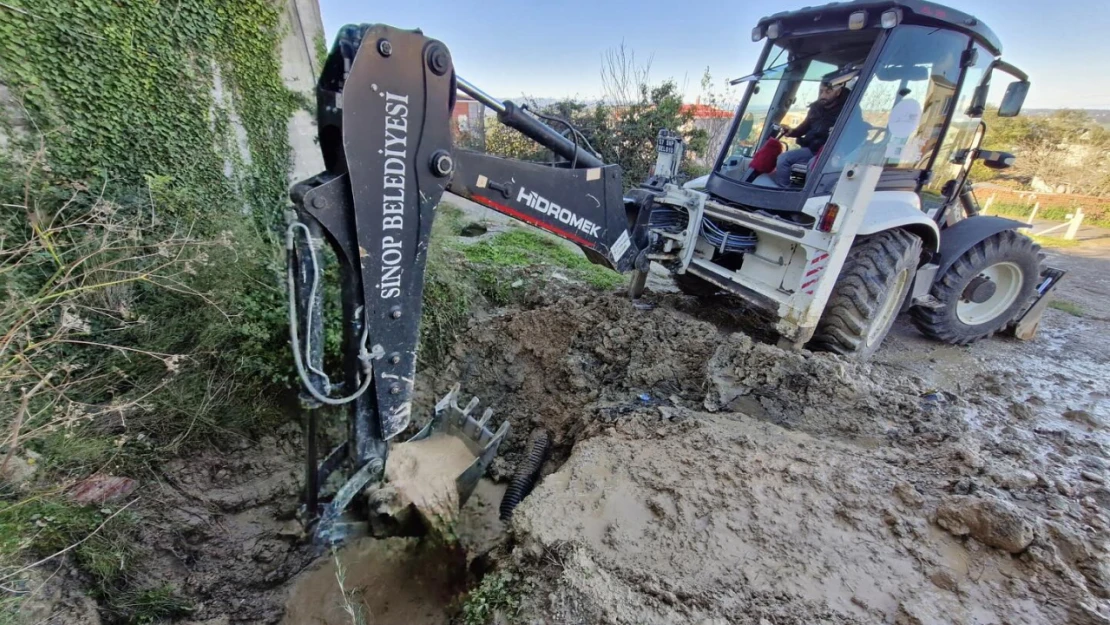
(219, 620)
(51, 598)
(17, 472)
(989, 520)
(1017, 479)
(1091, 476)
(908, 494)
(1082, 417)
(915, 612)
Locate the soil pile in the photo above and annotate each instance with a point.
(698, 476)
(706, 477)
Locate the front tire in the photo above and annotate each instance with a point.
(983, 290)
(868, 294)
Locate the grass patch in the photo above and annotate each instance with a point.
(1069, 307)
(151, 605)
(497, 595)
(447, 295)
(1054, 242)
(1051, 213)
(39, 527)
(521, 248)
(106, 551)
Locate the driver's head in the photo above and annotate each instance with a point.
(835, 83)
(829, 91)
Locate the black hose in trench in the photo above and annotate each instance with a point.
(526, 474)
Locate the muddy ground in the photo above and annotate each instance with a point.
(699, 475)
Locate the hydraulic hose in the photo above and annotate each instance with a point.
(303, 371)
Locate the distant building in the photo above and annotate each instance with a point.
(714, 121)
(467, 116)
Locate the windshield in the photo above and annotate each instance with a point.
(906, 101)
(785, 87)
(785, 93)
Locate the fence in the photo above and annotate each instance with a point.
(1051, 206)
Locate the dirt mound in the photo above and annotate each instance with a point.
(826, 395)
(814, 489)
(563, 365)
(698, 476)
(701, 518)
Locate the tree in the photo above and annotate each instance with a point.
(622, 128)
(1067, 148)
(716, 128)
(504, 141)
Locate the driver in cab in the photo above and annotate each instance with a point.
(812, 133)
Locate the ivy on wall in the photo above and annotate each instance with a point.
(125, 91)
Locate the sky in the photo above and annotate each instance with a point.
(554, 49)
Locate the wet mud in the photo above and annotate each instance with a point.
(700, 475)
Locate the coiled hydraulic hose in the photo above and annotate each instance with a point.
(364, 356)
(526, 474)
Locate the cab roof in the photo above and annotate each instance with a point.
(913, 12)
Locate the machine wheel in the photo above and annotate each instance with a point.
(868, 294)
(690, 284)
(983, 290)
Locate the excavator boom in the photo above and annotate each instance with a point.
(384, 103)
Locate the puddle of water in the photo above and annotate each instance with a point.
(387, 581)
(399, 581)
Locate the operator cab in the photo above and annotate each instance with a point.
(911, 79)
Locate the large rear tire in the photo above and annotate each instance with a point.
(690, 284)
(983, 290)
(868, 294)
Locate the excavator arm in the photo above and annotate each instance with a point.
(384, 103)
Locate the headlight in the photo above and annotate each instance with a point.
(891, 18)
(857, 20)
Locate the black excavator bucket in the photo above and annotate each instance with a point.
(384, 102)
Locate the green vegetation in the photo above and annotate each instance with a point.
(1069, 307)
(43, 526)
(101, 541)
(495, 260)
(1094, 216)
(143, 311)
(459, 274)
(622, 128)
(496, 596)
(1066, 148)
(447, 291)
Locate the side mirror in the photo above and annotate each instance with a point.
(1014, 98)
(996, 160)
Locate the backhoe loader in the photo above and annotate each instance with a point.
(879, 220)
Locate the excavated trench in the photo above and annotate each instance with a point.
(568, 368)
(587, 367)
(696, 475)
